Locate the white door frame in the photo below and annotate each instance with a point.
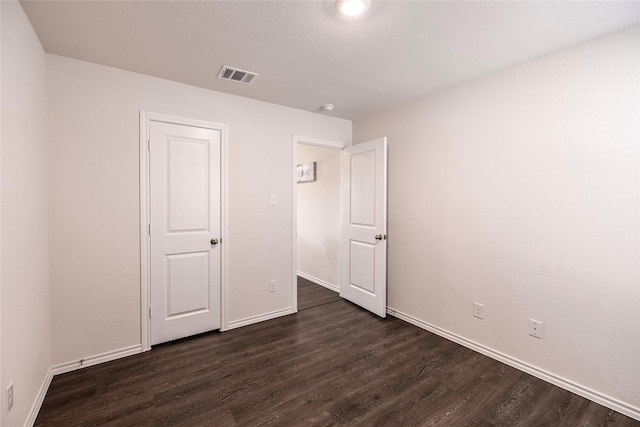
(297, 139)
(145, 241)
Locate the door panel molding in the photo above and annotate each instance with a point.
(145, 249)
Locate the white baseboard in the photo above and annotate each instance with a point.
(260, 318)
(587, 393)
(320, 282)
(98, 358)
(37, 404)
(72, 366)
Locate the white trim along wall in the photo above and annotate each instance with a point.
(580, 390)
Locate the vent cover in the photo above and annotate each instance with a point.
(237, 75)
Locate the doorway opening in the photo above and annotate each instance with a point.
(316, 217)
(362, 238)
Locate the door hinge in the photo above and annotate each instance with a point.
(149, 229)
(149, 312)
(148, 145)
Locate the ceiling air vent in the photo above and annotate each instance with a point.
(237, 75)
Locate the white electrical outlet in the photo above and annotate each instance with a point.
(478, 310)
(535, 328)
(272, 285)
(10, 396)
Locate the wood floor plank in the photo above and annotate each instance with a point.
(330, 364)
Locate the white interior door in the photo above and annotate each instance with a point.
(185, 216)
(364, 226)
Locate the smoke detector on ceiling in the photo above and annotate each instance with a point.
(237, 75)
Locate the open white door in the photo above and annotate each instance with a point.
(364, 226)
(185, 227)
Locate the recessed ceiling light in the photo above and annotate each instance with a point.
(352, 7)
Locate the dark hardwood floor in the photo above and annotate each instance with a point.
(311, 295)
(331, 364)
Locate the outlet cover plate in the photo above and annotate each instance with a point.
(535, 328)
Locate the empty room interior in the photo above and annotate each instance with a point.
(319, 213)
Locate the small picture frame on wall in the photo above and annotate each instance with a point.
(306, 172)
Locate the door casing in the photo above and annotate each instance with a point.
(145, 241)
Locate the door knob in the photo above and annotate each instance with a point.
(378, 236)
(214, 241)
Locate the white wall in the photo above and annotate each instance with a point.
(520, 191)
(319, 215)
(26, 355)
(94, 198)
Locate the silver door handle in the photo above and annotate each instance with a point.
(214, 241)
(378, 236)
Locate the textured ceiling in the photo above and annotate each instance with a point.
(307, 55)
